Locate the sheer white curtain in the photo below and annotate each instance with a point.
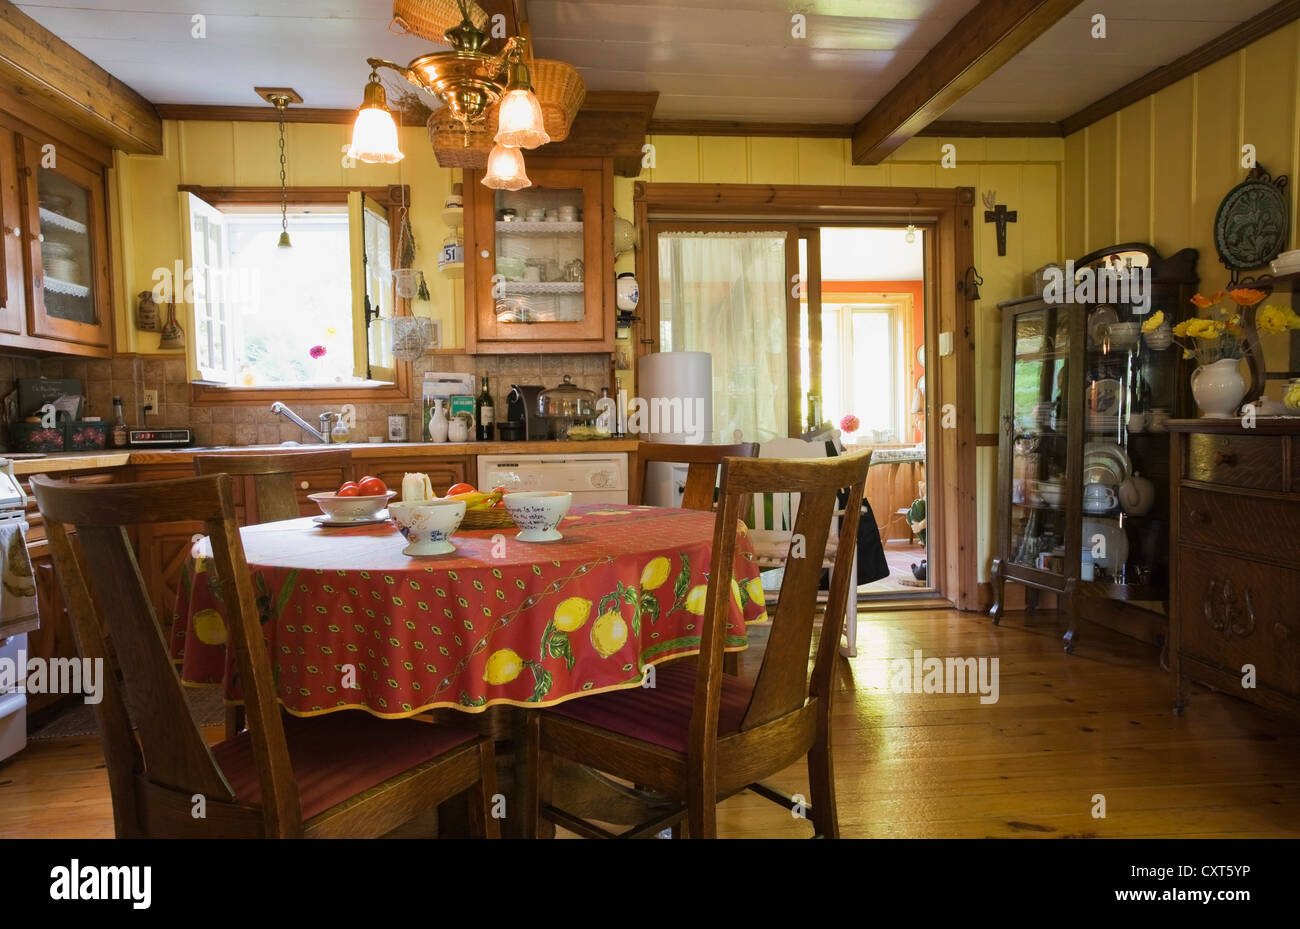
(725, 293)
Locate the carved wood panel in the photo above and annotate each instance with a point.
(1237, 461)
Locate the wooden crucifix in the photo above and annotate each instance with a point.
(998, 213)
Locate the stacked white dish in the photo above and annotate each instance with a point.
(1286, 263)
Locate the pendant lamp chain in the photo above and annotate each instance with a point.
(284, 189)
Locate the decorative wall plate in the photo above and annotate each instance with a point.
(1253, 222)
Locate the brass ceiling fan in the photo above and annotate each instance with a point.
(468, 80)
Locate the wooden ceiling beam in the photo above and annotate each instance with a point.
(37, 65)
(982, 41)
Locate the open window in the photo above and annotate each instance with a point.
(301, 318)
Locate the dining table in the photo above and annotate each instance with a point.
(352, 623)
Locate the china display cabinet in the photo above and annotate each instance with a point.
(54, 289)
(539, 261)
(1084, 442)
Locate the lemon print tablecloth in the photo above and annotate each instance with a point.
(351, 622)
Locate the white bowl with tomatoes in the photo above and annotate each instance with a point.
(355, 501)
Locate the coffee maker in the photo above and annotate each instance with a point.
(521, 413)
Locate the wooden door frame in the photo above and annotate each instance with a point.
(950, 378)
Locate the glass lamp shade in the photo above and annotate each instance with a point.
(505, 169)
(519, 120)
(374, 137)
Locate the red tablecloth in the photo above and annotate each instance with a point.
(351, 622)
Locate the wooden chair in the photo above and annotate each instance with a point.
(341, 774)
(773, 519)
(273, 476)
(702, 461)
(698, 735)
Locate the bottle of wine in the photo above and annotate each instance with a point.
(486, 413)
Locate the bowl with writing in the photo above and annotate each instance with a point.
(427, 525)
(537, 513)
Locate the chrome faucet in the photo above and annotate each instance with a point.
(321, 434)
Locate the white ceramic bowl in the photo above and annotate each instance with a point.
(537, 513)
(1051, 494)
(1123, 336)
(427, 524)
(344, 509)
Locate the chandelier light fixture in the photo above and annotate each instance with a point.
(468, 80)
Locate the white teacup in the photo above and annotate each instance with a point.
(1099, 498)
(537, 513)
(1137, 422)
(427, 524)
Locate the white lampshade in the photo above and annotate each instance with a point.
(374, 137)
(519, 120)
(505, 169)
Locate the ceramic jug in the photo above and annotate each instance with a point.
(438, 425)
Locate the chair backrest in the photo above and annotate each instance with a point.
(272, 476)
(783, 682)
(702, 461)
(114, 620)
(776, 512)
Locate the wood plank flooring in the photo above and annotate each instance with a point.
(1065, 728)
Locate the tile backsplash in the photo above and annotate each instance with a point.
(128, 378)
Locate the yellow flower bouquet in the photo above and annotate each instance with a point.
(1219, 333)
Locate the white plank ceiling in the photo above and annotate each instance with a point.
(709, 59)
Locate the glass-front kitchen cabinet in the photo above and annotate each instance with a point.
(54, 289)
(540, 261)
(1083, 501)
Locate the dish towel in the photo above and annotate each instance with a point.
(18, 611)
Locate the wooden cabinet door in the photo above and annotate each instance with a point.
(66, 226)
(163, 550)
(504, 305)
(54, 638)
(12, 292)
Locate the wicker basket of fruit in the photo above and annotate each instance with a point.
(483, 509)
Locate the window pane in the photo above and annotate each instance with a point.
(293, 305)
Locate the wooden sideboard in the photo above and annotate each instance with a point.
(1235, 560)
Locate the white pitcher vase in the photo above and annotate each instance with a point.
(1218, 388)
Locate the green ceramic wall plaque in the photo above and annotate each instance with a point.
(1253, 222)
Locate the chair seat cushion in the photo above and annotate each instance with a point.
(337, 756)
(660, 715)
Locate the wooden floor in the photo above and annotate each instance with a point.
(1066, 728)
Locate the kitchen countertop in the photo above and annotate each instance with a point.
(116, 458)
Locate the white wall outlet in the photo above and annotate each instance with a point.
(945, 344)
(151, 401)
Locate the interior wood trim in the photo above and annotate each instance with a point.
(950, 250)
(957, 129)
(1235, 39)
(986, 38)
(19, 113)
(217, 395)
(37, 64)
(966, 129)
(256, 114)
(390, 196)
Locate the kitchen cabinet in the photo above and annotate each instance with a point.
(1233, 622)
(539, 262)
(1084, 454)
(54, 284)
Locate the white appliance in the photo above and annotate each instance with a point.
(669, 382)
(591, 478)
(13, 706)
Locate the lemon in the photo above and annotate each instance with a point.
(655, 573)
(735, 594)
(608, 633)
(210, 627)
(503, 666)
(755, 588)
(571, 614)
(695, 599)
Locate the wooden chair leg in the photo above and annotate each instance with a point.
(234, 721)
(821, 780)
(482, 824)
(731, 663)
(701, 807)
(528, 764)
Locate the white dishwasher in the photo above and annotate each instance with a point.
(590, 477)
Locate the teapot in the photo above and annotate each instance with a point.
(460, 427)
(1137, 495)
(1099, 498)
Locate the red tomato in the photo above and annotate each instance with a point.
(372, 486)
(461, 488)
(350, 489)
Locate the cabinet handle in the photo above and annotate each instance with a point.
(39, 237)
(305, 485)
(1280, 631)
(16, 232)
(485, 254)
(1226, 458)
(1197, 516)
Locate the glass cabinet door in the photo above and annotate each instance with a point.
(1039, 419)
(64, 215)
(540, 267)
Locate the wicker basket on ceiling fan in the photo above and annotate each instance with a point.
(430, 19)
